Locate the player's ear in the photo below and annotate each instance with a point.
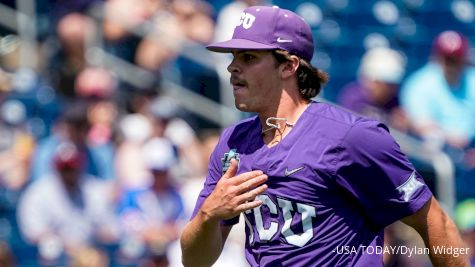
(289, 68)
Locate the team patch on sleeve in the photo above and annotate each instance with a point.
(409, 187)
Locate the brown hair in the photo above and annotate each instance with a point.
(310, 78)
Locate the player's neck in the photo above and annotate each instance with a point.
(277, 123)
(288, 107)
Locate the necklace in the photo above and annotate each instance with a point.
(276, 124)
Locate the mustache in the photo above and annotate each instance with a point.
(236, 80)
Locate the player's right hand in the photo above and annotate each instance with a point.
(234, 194)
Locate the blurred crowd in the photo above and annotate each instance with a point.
(93, 165)
(100, 168)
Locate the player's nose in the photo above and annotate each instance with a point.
(233, 67)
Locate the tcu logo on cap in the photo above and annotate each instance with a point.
(246, 20)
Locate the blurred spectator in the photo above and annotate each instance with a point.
(167, 123)
(137, 100)
(440, 97)
(6, 257)
(67, 210)
(135, 129)
(156, 261)
(183, 20)
(182, 25)
(68, 57)
(121, 18)
(154, 214)
(89, 257)
(162, 44)
(74, 127)
(440, 101)
(375, 93)
(5, 83)
(60, 8)
(123, 15)
(194, 17)
(16, 142)
(95, 83)
(98, 86)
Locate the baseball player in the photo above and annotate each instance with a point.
(309, 178)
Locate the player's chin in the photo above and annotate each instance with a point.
(242, 106)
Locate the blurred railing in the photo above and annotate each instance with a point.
(23, 22)
(191, 101)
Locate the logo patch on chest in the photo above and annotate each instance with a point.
(226, 159)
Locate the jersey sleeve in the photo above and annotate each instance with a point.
(372, 168)
(214, 174)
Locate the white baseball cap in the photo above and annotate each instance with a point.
(383, 64)
(159, 154)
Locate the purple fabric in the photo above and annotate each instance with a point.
(335, 181)
(267, 28)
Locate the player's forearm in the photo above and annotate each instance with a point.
(446, 247)
(440, 235)
(201, 241)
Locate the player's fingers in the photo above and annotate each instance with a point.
(243, 177)
(231, 172)
(249, 205)
(252, 183)
(252, 194)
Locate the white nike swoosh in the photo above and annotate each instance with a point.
(280, 40)
(290, 172)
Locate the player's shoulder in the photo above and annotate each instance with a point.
(240, 129)
(339, 123)
(238, 136)
(332, 115)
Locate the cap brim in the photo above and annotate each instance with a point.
(238, 44)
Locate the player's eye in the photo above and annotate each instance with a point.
(248, 57)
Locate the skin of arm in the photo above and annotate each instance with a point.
(437, 230)
(202, 241)
(204, 236)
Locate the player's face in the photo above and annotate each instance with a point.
(255, 79)
(453, 68)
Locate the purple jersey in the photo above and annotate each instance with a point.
(335, 181)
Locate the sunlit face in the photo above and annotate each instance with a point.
(453, 68)
(78, 134)
(160, 179)
(255, 77)
(381, 92)
(70, 176)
